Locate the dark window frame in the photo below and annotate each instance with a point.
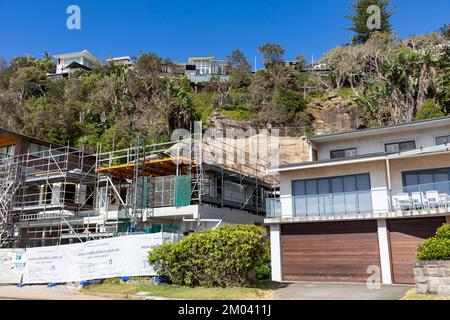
(330, 181)
(441, 144)
(399, 143)
(340, 150)
(418, 172)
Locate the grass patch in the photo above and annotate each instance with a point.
(318, 95)
(346, 93)
(239, 113)
(261, 290)
(412, 295)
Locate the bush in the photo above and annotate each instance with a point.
(430, 110)
(263, 272)
(437, 247)
(223, 257)
(291, 101)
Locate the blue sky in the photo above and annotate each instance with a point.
(177, 29)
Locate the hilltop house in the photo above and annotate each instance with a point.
(202, 69)
(127, 61)
(69, 62)
(361, 204)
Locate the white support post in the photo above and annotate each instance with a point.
(275, 249)
(385, 257)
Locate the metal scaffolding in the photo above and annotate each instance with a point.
(58, 196)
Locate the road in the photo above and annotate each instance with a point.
(45, 293)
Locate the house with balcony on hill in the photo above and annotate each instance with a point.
(69, 62)
(363, 202)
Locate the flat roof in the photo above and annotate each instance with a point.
(381, 130)
(363, 158)
(310, 164)
(83, 53)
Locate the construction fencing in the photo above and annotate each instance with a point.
(12, 262)
(99, 259)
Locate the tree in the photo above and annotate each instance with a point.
(369, 16)
(240, 69)
(271, 53)
(3, 66)
(301, 61)
(445, 31)
(430, 110)
(237, 61)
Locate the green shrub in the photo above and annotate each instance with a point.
(437, 247)
(238, 113)
(263, 272)
(291, 101)
(219, 258)
(430, 110)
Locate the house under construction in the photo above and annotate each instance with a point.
(52, 195)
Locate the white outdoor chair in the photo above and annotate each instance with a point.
(404, 201)
(444, 200)
(432, 199)
(395, 203)
(417, 200)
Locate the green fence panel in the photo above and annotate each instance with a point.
(182, 191)
(143, 192)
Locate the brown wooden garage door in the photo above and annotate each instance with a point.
(340, 251)
(404, 236)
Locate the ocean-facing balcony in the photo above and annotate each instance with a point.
(423, 199)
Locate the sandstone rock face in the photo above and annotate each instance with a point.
(334, 115)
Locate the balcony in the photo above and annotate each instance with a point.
(431, 198)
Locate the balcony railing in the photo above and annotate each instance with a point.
(433, 196)
(423, 196)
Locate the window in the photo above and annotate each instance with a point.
(427, 180)
(315, 155)
(8, 151)
(415, 178)
(163, 194)
(342, 154)
(442, 140)
(400, 146)
(331, 185)
(37, 150)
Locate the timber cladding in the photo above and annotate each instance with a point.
(329, 252)
(404, 236)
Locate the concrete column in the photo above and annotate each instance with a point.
(275, 251)
(447, 218)
(385, 257)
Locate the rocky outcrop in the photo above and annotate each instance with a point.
(334, 114)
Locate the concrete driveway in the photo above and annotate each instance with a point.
(338, 291)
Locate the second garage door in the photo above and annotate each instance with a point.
(404, 236)
(340, 251)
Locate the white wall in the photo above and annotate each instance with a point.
(376, 169)
(375, 144)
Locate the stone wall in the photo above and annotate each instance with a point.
(433, 277)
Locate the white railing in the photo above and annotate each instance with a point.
(361, 203)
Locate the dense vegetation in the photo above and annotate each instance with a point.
(391, 80)
(224, 257)
(437, 247)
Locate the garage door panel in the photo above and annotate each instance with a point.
(404, 236)
(329, 251)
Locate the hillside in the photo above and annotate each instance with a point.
(379, 82)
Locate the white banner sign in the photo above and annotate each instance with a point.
(12, 262)
(108, 258)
